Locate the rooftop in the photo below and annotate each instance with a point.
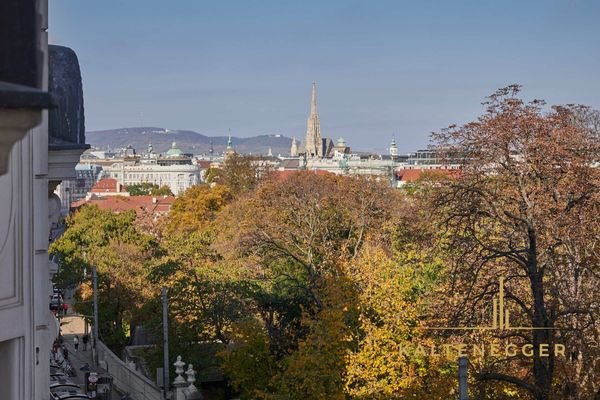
(108, 185)
(140, 204)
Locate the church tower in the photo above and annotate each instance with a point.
(229, 150)
(393, 148)
(294, 149)
(313, 144)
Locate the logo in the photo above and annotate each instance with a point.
(495, 348)
(500, 317)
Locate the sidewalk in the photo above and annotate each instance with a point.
(72, 325)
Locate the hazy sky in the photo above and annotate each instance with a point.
(382, 67)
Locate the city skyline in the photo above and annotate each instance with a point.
(350, 262)
(383, 69)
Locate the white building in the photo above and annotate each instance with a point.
(174, 170)
(69, 191)
(32, 163)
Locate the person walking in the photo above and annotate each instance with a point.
(55, 347)
(76, 343)
(65, 353)
(85, 340)
(65, 308)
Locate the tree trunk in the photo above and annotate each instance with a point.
(542, 366)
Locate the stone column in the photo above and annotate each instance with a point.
(179, 384)
(192, 392)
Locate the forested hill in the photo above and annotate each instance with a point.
(188, 141)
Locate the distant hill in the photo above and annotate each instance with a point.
(188, 141)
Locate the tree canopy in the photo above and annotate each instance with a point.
(311, 286)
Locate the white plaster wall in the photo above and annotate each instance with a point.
(24, 314)
(16, 273)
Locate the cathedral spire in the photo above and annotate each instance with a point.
(313, 104)
(313, 144)
(230, 150)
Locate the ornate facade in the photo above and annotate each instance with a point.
(37, 151)
(174, 170)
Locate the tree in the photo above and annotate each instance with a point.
(149, 189)
(240, 173)
(392, 293)
(121, 254)
(204, 298)
(525, 208)
(293, 239)
(248, 360)
(197, 207)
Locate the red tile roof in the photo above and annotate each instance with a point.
(140, 204)
(204, 164)
(108, 185)
(411, 175)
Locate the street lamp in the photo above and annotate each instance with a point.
(95, 338)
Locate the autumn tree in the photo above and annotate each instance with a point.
(296, 238)
(240, 173)
(196, 208)
(121, 254)
(203, 296)
(525, 208)
(392, 289)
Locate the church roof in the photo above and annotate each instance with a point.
(174, 151)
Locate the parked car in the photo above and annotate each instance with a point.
(55, 303)
(70, 395)
(60, 379)
(64, 387)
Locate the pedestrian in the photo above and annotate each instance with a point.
(65, 308)
(55, 347)
(85, 339)
(76, 343)
(65, 353)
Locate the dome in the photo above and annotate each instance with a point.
(174, 151)
(341, 142)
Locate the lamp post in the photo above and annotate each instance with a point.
(165, 310)
(462, 379)
(95, 284)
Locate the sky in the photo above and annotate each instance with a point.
(382, 67)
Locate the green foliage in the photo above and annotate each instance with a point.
(280, 277)
(308, 287)
(121, 254)
(297, 240)
(317, 368)
(147, 188)
(249, 360)
(204, 298)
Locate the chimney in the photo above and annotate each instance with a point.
(118, 187)
(154, 200)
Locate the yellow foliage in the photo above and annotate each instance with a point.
(389, 322)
